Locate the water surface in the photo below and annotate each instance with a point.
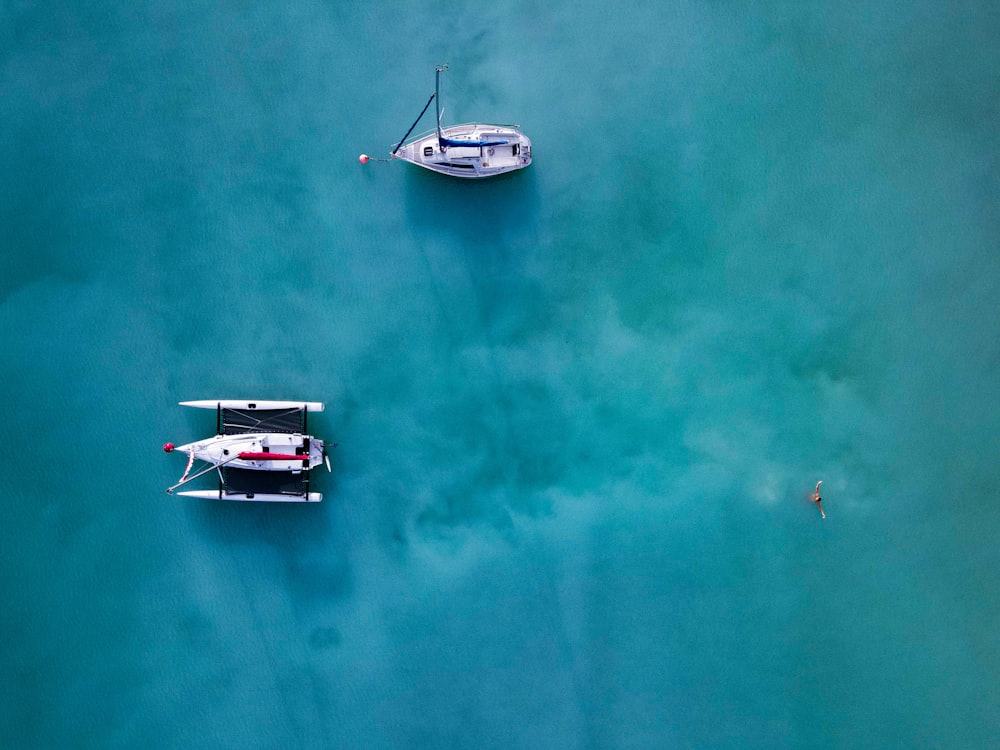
(579, 409)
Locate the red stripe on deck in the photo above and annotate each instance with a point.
(251, 456)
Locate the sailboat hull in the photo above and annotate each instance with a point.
(509, 150)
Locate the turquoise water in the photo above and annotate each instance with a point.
(579, 409)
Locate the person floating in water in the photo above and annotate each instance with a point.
(817, 499)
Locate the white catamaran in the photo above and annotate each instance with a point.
(472, 150)
(261, 452)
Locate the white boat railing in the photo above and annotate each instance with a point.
(472, 125)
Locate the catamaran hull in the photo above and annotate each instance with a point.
(470, 162)
(253, 497)
(311, 406)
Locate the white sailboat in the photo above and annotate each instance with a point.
(470, 151)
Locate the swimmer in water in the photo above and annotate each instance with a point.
(818, 500)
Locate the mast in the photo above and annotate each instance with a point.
(443, 142)
(437, 102)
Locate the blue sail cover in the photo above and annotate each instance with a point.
(449, 142)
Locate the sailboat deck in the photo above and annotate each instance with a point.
(468, 160)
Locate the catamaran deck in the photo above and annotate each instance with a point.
(246, 433)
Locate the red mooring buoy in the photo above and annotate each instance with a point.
(363, 158)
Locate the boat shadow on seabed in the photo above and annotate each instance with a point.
(482, 213)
